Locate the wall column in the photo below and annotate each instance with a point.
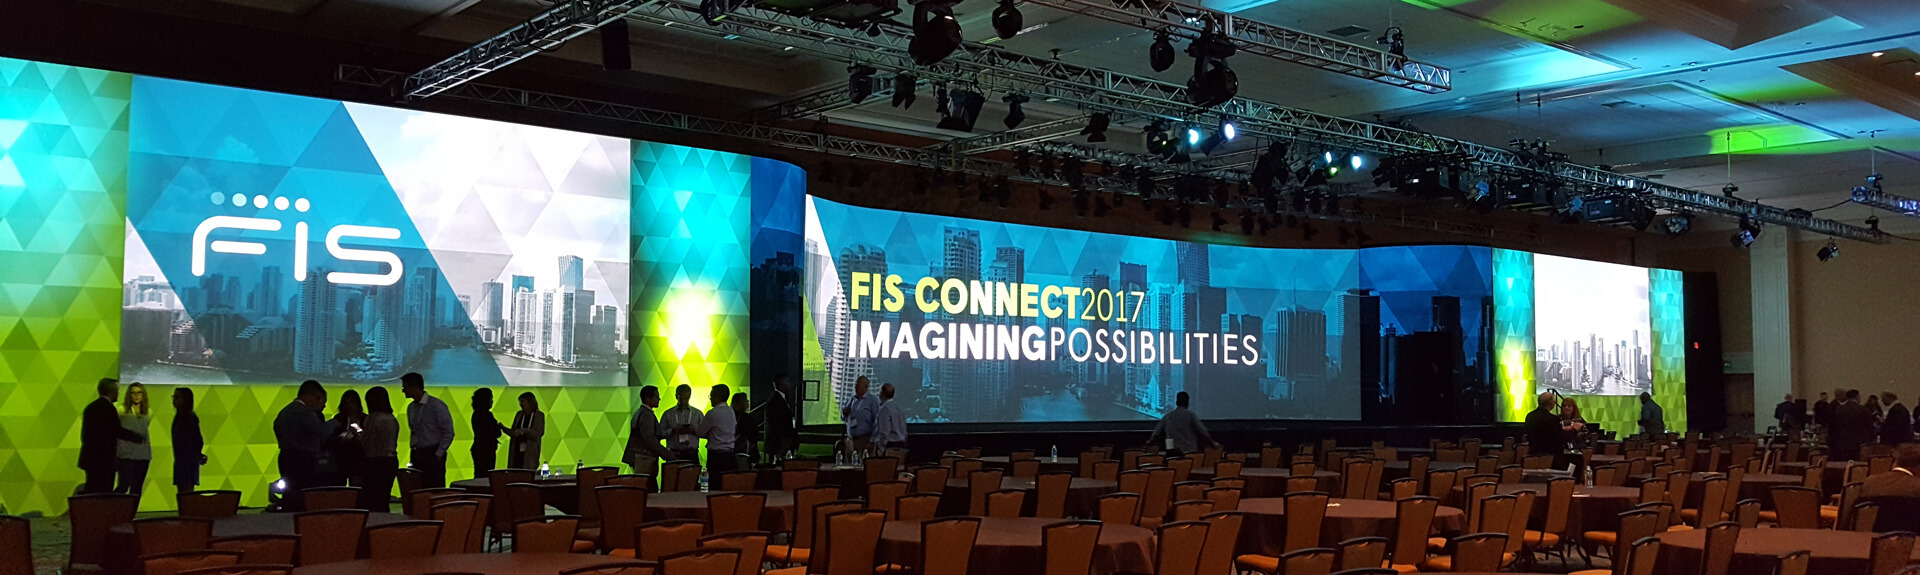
(1772, 266)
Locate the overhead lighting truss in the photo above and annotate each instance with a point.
(1033, 133)
(1260, 38)
(546, 31)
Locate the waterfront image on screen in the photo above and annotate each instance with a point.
(275, 238)
(977, 321)
(1592, 327)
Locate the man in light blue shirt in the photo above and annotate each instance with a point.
(430, 431)
(891, 430)
(861, 414)
(1652, 418)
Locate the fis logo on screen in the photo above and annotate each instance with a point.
(202, 245)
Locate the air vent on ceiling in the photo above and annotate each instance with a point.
(1348, 30)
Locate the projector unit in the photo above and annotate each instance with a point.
(1605, 209)
(852, 14)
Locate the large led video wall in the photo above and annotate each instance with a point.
(978, 321)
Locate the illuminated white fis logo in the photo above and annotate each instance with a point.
(300, 234)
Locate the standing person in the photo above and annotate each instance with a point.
(189, 447)
(132, 457)
(1898, 428)
(486, 433)
(1852, 427)
(1545, 433)
(679, 425)
(890, 432)
(1653, 421)
(747, 427)
(1874, 410)
(344, 444)
(380, 445)
(1181, 430)
(644, 450)
(1570, 420)
(529, 425)
(861, 413)
(1823, 411)
(777, 413)
(719, 427)
(100, 435)
(1783, 412)
(429, 430)
(302, 435)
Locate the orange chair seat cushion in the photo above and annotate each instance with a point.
(1770, 516)
(1680, 527)
(584, 545)
(1539, 539)
(787, 555)
(1445, 562)
(1593, 572)
(789, 571)
(1602, 537)
(892, 569)
(1401, 568)
(1261, 563)
(1437, 543)
(589, 534)
(627, 553)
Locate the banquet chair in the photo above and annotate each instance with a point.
(1713, 501)
(408, 479)
(90, 517)
(175, 562)
(969, 452)
(739, 480)
(880, 469)
(456, 521)
(1722, 537)
(917, 507)
(1362, 552)
(329, 536)
(1159, 495)
(1795, 508)
(403, 539)
(263, 549)
(799, 464)
(1402, 488)
(209, 504)
(1050, 494)
(1736, 480)
(1188, 490)
(1087, 459)
(1889, 553)
(1634, 525)
(169, 534)
(1487, 465)
(1516, 528)
(548, 534)
(1190, 510)
(1653, 490)
(1005, 503)
(1747, 513)
(1302, 484)
(1678, 482)
(794, 479)
(500, 513)
(752, 546)
(477, 528)
(800, 546)
(1417, 469)
(1223, 538)
(1879, 464)
(1470, 502)
(1302, 468)
(1310, 561)
(1224, 498)
(714, 561)
(1024, 468)
(965, 467)
(1840, 514)
(882, 495)
(1182, 468)
(325, 498)
(1493, 516)
(523, 502)
(1537, 462)
(1865, 515)
(619, 568)
(1211, 455)
(1413, 520)
(639, 480)
(418, 503)
(1230, 483)
(1306, 512)
(1270, 456)
(1512, 473)
(979, 484)
(946, 545)
(687, 477)
(735, 512)
(813, 553)
(1450, 455)
(1069, 546)
(1353, 478)
(1553, 525)
(1634, 559)
(1177, 547)
(1609, 475)
(670, 476)
(586, 479)
(1440, 483)
(16, 546)
(1020, 455)
(1477, 552)
(659, 539)
(1130, 458)
(622, 510)
(242, 569)
(1119, 508)
(1151, 460)
(1481, 478)
(850, 539)
(931, 479)
(1794, 563)
(1375, 469)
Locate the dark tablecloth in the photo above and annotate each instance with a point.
(1759, 549)
(1272, 482)
(1752, 486)
(1008, 546)
(1047, 464)
(1265, 529)
(1083, 495)
(487, 563)
(121, 538)
(776, 517)
(559, 492)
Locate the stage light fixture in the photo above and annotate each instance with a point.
(1096, 130)
(1749, 232)
(1228, 130)
(905, 88)
(1213, 83)
(616, 50)
(1356, 161)
(1219, 221)
(1007, 20)
(1159, 141)
(1677, 225)
(859, 82)
(962, 111)
(1873, 223)
(1193, 136)
(1327, 156)
(1015, 114)
(936, 34)
(1830, 252)
(1395, 41)
(1160, 54)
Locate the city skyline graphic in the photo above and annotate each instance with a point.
(1593, 327)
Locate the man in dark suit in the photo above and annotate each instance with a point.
(100, 434)
(1545, 436)
(1898, 427)
(644, 450)
(1896, 492)
(1852, 427)
(1823, 411)
(778, 412)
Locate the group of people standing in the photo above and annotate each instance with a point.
(359, 445)
(874, 425)
(1848, 422)
(115, 446)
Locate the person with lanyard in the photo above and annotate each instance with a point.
(680, 425)
(429, 430)
(861, 413)
(718, 426)
(890, 432)
(529, 425)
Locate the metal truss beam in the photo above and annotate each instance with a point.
(545, 31)
(1259, 38)
(1029, 134)
(822, 101)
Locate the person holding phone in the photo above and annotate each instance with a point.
(345, 441)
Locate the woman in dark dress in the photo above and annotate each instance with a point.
(188, 444)
(345, 443)
(486, 432)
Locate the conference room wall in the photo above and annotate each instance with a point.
(1856, 318)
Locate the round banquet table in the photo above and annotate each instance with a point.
(1047, 464)
(1603, 459)
(1595, 508)
(1408, 453)
(1752, 486)
(1272, 482)
(121, 536)
(1265, 528)
(1013, 545)
(559, 492)
(486, 563)
(1399, 469)
(852, 479)
(776, 517)
(1759, 549)
(1083, 495)
(1834, 478)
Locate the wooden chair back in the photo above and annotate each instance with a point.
(90, 517)
(752, 546)
(456, 522)
(404, 539)
(1177, 551)
(209, 504)
(947, 544)
(917, 507)
(329, 536)
(736, 512)
(1070, 544)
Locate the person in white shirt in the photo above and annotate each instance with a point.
(718, 427)
(891, 429)
(677, 425)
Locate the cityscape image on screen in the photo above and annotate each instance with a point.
(1592, 327)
